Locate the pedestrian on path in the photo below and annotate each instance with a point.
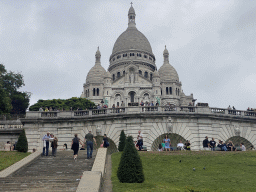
(75, 145)
(89, 138)
(140, 140)
(46, 140)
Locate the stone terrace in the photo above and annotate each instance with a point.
(50, 173)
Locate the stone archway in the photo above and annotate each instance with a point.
(132, 96)
(175, 138)
(237, 140)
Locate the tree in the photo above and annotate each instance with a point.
(130, 169)
(12, 100)
(22, 144)
(122, 140)
(74, 102)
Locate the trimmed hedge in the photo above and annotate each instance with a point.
(22, 144)
(130, 169)
(122, 140)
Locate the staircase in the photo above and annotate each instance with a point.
(50, 173)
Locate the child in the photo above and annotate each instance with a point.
(163, 145)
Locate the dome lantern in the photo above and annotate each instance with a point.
(131, 17)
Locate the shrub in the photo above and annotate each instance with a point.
(130, 168)
(122, 140)
(22, 144)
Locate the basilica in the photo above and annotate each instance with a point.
(132, 75)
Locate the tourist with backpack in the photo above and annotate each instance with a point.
(75, 145)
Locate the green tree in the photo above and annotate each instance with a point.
(12, 100)
(130, 169)
(122, 140)
(22, 144)
(74, 102)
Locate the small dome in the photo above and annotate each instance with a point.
(96, 74)
(168, 73)
(156, 74)
(108, 75)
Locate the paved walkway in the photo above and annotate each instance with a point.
(50, 173)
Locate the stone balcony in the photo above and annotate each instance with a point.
(165, 110)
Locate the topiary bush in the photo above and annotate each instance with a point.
(122, 140)
(22, 144)
(130, 168)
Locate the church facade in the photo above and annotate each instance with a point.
(132, 75)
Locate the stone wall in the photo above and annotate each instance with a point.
(192, 125)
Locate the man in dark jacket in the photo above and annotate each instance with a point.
(206, 143)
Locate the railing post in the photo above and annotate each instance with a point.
(242, 113)
(90, 112)
(226, 111)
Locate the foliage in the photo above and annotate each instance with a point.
(11, 100)
(22, 144)
(122, 140)
(10, 157)
(224, 171)
(130, 168)
(65, 104)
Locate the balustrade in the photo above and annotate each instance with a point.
(81, 113)
(48, 114)
(218, 110)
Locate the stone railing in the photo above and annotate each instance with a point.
(139, 109)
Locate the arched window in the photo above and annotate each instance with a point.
(125, 55)
(123, 72)
(118, 74)
(114, 59)
(131, 54)
(170, 90)
(114, 77)
(93, 91)
(140, 72)
(176, 91)
(166, 90)
(118, 56)
(151, 76)
(145, 56)
(138, 54)
(146, 74)
(98, 92)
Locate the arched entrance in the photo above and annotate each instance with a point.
(237, 140)
(132, 96)
(175, 139)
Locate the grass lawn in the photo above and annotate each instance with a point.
(224, 171)
(8, 158)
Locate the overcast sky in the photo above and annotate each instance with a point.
(212, 44)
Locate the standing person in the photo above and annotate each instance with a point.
(105, 141)
(140, 140)
(75, 145)
(212, 144)
(243, 147)
(167, 142)
(51, 140)
(206, 143)
(55, 145)
(46, 140)
(89, 138)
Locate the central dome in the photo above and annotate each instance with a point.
(132, 39)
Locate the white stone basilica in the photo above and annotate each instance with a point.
(132, 75)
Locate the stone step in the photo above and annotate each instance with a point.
(61, 173)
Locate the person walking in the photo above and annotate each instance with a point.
(75, 145)
(46, 146)
(89, 138)
(140, 140)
